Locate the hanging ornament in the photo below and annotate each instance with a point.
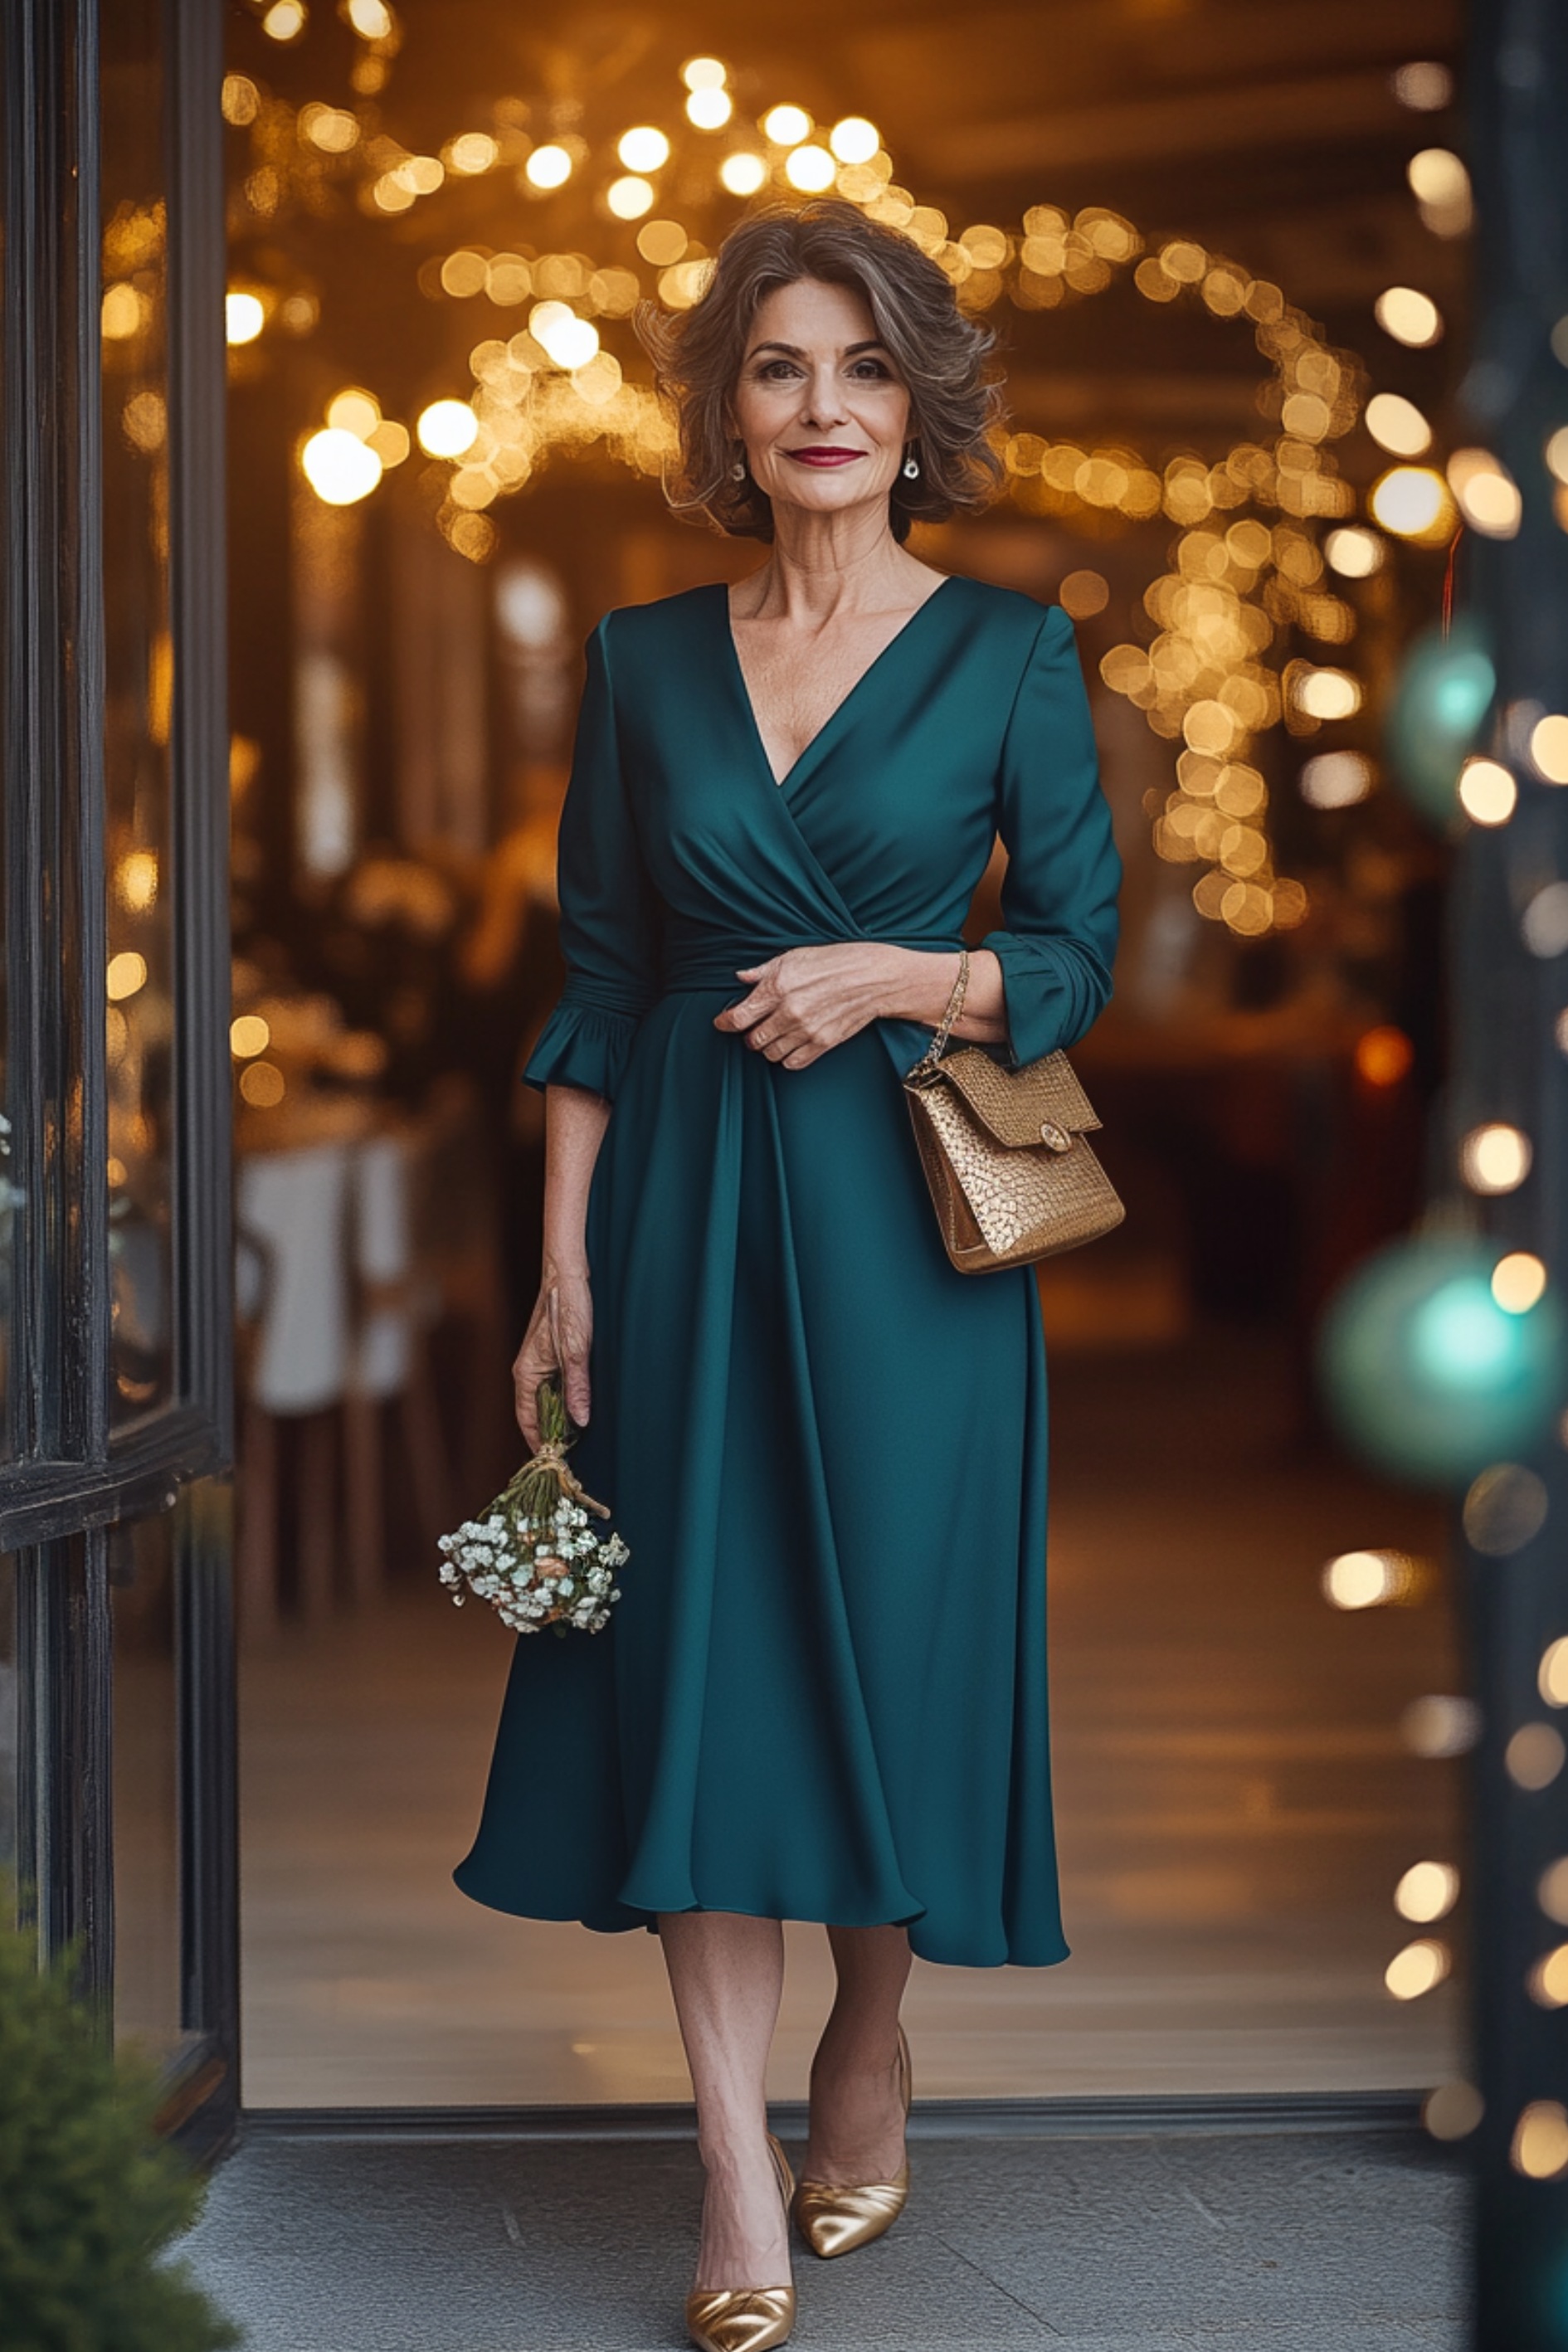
(1444, 691)
(1427, 1375)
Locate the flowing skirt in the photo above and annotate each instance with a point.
(823, 1696)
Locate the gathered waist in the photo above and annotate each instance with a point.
(711, 965)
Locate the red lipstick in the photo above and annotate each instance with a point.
(825, 456)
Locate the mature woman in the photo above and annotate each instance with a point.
(823, 1696)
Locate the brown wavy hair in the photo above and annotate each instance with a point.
(943, 358)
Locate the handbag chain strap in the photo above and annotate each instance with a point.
(938, 1046)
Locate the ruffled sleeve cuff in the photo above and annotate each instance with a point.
(580, 1046)
(1051, 991)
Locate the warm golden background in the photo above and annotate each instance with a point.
(1222, 245)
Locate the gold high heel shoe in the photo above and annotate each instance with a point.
(834, 2220)
(745, 2318)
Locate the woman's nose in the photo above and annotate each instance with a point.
(824, 405)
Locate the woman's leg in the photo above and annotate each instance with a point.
(857, 2103)
(727, 1973)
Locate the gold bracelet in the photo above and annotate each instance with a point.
(954, 1006)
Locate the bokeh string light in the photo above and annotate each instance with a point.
(1247, 569)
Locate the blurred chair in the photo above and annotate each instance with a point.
(352, 1250)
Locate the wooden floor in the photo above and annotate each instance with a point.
(1235, 1806)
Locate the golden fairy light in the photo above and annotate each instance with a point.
(1547, 1982)
(1397, 426)
(127, 973)
(471, 153)
(548, 167)
(1441, 186)
(1410, 317)
(1551, 1675)
(1354, 552)
(135, 881)
(340, 468)
(1414, 503)
(248, 1035)
(1539, 2145)
(786, 126)
(644, 149)
(1518, 1282)
(1427, 1891)
(1418, 1969)
(1495, 1158)
(244, 317)
(448, 429)
(853, 140)
(284, 21)
(1487, 793)
(1335, 779)
(1369, 1579)
(1488, 494)
(1549, 747)
(629, 197)
(124, 312)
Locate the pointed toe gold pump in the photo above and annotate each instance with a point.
(745, 2318)
(836, 2219)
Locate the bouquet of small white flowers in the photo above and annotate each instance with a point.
(533, 1555)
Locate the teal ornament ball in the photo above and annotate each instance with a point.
(1425, 1376)
(1446, 689)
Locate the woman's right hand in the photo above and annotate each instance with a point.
(557, 1339)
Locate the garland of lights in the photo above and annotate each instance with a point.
(1246, 561)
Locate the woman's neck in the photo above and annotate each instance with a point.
(820, 565)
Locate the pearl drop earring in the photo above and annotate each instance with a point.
(737, 471)
(912, 467)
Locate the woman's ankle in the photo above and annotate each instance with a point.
(854, 2049)
(732, 2153)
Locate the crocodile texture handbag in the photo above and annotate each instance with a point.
(1010, 1173)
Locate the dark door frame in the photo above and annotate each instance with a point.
(67, 1477)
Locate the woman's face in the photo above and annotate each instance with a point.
(819, 405)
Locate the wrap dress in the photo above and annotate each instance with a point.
(823, 1694)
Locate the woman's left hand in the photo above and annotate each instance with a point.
(808, 1000)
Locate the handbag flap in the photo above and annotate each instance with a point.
(1015, 1104)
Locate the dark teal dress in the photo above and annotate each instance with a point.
(823, 1694)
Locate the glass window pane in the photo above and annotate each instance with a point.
(139, 691)
(147, 1996)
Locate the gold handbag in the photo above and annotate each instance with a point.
(1010, 1175)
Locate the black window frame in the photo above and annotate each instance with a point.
(67, 1478)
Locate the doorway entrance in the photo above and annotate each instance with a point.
(117, 1796)
(405, 618)
(445, 464)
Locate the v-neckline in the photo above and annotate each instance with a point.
(781, 783)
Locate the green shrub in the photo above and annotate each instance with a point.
(89, 2197)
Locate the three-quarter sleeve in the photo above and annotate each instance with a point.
(609, 909)
(1058, 894)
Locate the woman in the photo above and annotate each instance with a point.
(823, 1696)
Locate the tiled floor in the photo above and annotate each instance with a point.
(1234, 1798)
(1155, 2245)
